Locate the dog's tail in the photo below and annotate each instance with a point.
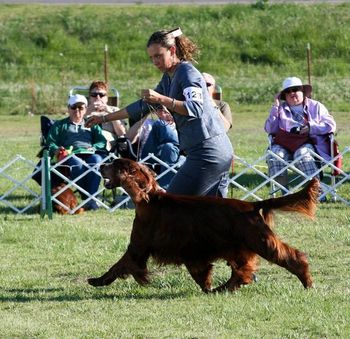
(303, 202)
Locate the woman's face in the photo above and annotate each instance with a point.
(294, 96)
(162, 57)
(98, 95)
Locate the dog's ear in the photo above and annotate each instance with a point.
(131, 185)
(147, 182)
(149, 171)
(138, 181)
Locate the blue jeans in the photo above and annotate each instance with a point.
(90, 182)
(205, 171)
(163, 142)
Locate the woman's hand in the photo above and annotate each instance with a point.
(100, 106)
(93, 120)
(97, 106)
(277, 99)
(151, 96)
(164, 114)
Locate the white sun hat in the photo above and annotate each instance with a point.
(295, 82)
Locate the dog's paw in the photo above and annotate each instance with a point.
(95, 282)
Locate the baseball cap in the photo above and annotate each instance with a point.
(77, 98)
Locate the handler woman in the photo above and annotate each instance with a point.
(183, 91)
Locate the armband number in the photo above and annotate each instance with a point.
(193, 94)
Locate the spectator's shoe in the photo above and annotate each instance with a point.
(321, 198)
(127, 205)
(91, 206)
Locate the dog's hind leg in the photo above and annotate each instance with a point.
(124, 267)
(243, 267)
(201, 274)
(290, 258)
(266, 244)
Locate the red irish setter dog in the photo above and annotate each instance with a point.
(197, 231)
(67, 198)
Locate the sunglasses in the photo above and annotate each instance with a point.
(293, 89)
(98, 94)
(79, 107)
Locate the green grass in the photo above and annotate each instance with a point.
(46, 49)
(44, 291)
(45, 263)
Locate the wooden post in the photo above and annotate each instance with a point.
(33, 97)
(106, 64)
(308, 50)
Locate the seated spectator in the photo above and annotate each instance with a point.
(112, 130)
(98, 105)
(163, 142)
(299, 124)
(223, 106)
(70, 134)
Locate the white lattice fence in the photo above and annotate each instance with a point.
(249, 180)
(18, 193)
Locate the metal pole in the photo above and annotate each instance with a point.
(106, 64)
(46, 186)
(43, 190)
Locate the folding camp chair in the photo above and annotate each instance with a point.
(60, 173)
(45, 125)
(296, 178)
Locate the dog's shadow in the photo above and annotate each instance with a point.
(60, 294)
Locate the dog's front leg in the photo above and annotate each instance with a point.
(122, 269)
(118, 270)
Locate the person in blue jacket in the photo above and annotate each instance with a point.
(183, 91)
(163, 142)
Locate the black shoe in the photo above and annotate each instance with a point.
(91, 206)
(323, 199)
(127, 205)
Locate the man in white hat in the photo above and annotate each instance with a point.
(298, 124)
(70, 135)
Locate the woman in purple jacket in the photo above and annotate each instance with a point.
(295, 113)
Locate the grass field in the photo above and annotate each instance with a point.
(44, 263)
(44, 266)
